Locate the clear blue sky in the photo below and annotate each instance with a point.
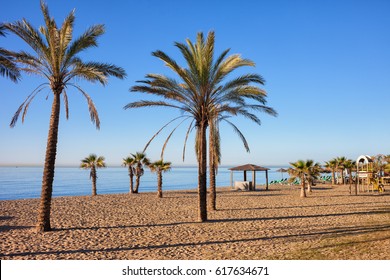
(326, 63)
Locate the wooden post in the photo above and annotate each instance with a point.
(244, 175)
(253, 180)
(266, 180)
(231, 178)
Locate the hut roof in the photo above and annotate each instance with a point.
(249, 167)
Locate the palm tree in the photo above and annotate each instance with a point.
(201, 95)
(160, 166)
(350, 165)
(8, 68)
(92, 162)
(299, 171)
(57, 60)
(379, 163)
(129, 162)
(332, 165)
(340, 167)
(313, 171)
(140, 160)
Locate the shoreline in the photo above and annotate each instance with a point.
(274, 224)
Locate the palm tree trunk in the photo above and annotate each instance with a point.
(333, 179)
(309, 186)
(137, 180)
(350, 181)
(213, 194)
(202, 173)
(303, 191)
(48, 171)
(159, 184)
(341, 176)
(131, 190)
(93, 178)
(356, 184)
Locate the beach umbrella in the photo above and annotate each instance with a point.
(282, 170)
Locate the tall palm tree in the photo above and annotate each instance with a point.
(299, 171)
(129, 162)
(8, 68)
(159, 167)
(57, 60)
(201, 94)
(332, 165)
(93, 162)
(140, 161)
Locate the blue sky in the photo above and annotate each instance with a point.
(326, 63)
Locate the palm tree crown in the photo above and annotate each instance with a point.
(160, 165)
(202, 95)
(93, 161)
(57, 59)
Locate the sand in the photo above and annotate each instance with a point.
(274, 224)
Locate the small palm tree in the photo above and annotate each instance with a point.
(159, 167)
(129, 163)
(313, 171)
(332, 165)
(299, 171)
(57, 59)
(350, 165)
(140, 161)
(93, 162)
(8, 67)
(340, 166)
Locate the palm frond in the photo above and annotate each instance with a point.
(66, 104)
(8, 67)
(190, 127)
(169, 137)
(146, 103)
(87, 40)
(91, 107)
(242, 137)
(26, 104)
(158, 132)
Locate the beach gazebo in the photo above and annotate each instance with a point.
(249, 167)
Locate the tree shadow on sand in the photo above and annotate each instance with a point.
(298, 206)
(331, 232)
(7, 228)
(385, 210)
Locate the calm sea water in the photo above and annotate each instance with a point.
(25, 182)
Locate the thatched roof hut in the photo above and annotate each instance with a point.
(250, 167)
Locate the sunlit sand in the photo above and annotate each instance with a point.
(274, 224)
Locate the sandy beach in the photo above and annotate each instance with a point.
(274, 224)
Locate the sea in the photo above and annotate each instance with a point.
(25, 182)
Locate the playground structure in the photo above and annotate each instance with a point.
(367, 178)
